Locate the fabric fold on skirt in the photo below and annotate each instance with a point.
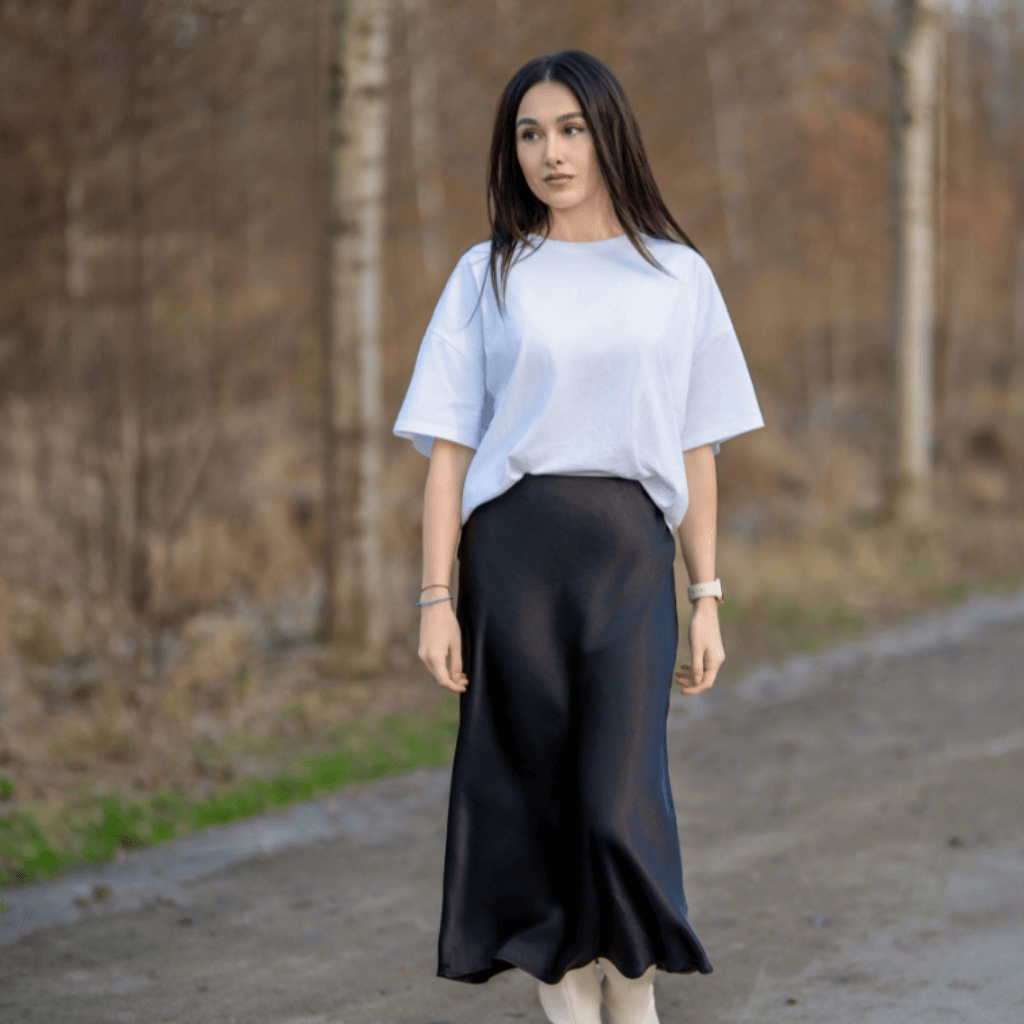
(562, 841)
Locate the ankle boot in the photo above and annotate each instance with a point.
(628, 1000)
(576, 999)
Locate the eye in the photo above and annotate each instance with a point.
(525, 136)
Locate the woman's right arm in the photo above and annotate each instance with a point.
(440, 636)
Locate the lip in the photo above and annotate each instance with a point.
(555, 178)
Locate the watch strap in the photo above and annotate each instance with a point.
(712, 589)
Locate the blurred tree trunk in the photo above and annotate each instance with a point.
(840, 285)
(358, 612)
(335, 18)
(217, 240)
(209, 401)
(63, 412)
(727, 111)
(915, 82)
(135, 568)
(74, 202)
(426, 140)
(1016, 375)
(961, 124)
(941, 305)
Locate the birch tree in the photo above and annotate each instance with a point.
(358, 613)
(915, 97)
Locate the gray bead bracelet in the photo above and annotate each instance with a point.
(436, 599)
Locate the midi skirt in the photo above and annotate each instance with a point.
(562, 843)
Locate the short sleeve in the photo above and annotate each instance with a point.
(445, 397)
(720, 402)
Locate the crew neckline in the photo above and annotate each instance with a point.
(563, 241)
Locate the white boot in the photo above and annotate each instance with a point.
(628, 1000)
(576, 999)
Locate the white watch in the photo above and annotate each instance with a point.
(713, 589)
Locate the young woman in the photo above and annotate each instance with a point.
(571, 412)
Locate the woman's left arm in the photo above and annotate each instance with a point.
(697, 537)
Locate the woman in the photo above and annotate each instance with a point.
(571, 412)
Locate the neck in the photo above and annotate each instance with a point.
(590, 221)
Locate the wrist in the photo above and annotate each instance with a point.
(712, 589)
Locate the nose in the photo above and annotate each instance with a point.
(552, 154)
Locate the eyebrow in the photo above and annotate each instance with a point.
(563, 117)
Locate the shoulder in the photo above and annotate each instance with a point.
(457, 306)
(682, 259)
(697, 280)
(475, 258)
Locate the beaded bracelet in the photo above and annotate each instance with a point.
(447, 597)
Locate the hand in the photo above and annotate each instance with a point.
(441, 645)
(705, 648)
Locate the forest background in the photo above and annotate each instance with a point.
(166, 384)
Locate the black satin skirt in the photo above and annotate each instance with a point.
(562, 842)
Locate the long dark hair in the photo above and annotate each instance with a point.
(513, 210)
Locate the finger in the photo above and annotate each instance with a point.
(456, 662)
(697, 666)
(456, 681)
(448, 684)
(457, 684)
(693, 689)
(439, 668)
(707, 681)
(689, 685)
(713, 659)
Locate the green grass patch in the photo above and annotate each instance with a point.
(949, 593)
(35, 846)
(778, 626)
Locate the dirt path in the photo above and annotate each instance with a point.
(853, 841)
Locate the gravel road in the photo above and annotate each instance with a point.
(852, 826)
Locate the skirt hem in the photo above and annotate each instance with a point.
(498, 965)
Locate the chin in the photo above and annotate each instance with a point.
(563, 201)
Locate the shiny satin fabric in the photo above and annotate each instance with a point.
(562, 842)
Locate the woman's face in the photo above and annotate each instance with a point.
(555, 147)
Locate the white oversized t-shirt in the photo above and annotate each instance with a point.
(603, 365)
